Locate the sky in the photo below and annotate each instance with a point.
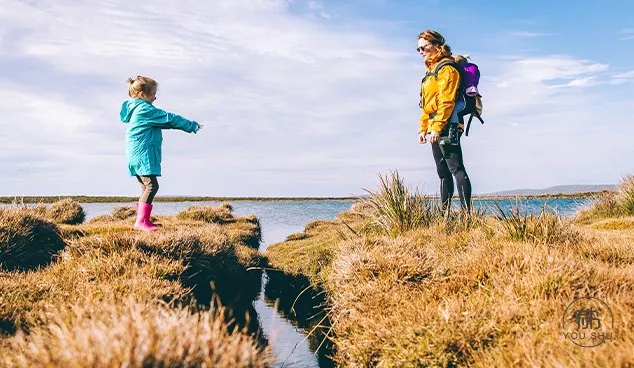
(310, 98)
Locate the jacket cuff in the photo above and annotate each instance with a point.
(436, 129)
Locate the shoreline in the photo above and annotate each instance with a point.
(123, 199)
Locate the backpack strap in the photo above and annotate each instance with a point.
(434, 72)
(475, 113)
(443, 63)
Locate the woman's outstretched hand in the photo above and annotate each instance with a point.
(422, 137)
(200, 126)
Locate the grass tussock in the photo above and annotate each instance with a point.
(217, 215)
(27, 241)
(190, 264)
(395, 209)
(102, 219)
(66, 211)
(611, 204)
(124, 212)
(133, 334)
(545, 227)
(246, 231)
(625, 195)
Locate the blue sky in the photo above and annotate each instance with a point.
(310, 98)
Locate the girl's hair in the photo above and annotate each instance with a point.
(460, 59)
(437, 40)
(141, 87)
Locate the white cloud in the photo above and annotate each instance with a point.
(294, 103)
(537, 85)
(623, 78)
(528, 34)
(627, 34)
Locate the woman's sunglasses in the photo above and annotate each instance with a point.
(421, 48)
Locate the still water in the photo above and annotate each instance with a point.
(281, 218)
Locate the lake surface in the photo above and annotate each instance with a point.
(281, 218)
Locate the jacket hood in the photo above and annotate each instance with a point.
(128, 107)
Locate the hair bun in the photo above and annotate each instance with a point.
(130, 81)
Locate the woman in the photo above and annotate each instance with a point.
(439, 90)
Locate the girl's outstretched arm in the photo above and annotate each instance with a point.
(167, 120)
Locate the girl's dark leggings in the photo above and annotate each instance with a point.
(449, 163)
(149, 187)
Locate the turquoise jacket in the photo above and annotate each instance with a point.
(144, 137)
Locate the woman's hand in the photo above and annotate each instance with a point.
(422, 139)
(434, 137)
(200, 126)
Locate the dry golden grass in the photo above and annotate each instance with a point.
(26, 240)
(472, 296)
(297, 236)
(611, 204)
(124, 212)
(107, 285)
(132, 334)
(66, 211)
(219, 215)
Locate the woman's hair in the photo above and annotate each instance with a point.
(437, 40)
(141, 87)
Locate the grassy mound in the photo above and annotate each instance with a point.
(27, 241)
(216, 215)
(124, 212)
(66, 211)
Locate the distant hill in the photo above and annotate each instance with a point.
(559, 189)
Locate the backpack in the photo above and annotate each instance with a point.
(469, 79)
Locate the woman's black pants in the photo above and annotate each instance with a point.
(449, 163)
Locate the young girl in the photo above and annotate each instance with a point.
(470, 73)
(144, 139)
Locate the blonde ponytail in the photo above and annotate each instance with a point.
(141, 87)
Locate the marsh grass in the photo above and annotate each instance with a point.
(625, 195)
(544, 227)
(124, 212)
(610, 204)
(66, 211)
(394, 208)
(26, 240)
(118, 279)
(217, 215)
(133, 334)
(463, 290)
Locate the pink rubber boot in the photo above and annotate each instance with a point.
(143, 212)
(149, 219)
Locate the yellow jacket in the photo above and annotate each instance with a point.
(438, 95)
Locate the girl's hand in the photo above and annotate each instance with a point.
(200, 126)
(434, 137)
